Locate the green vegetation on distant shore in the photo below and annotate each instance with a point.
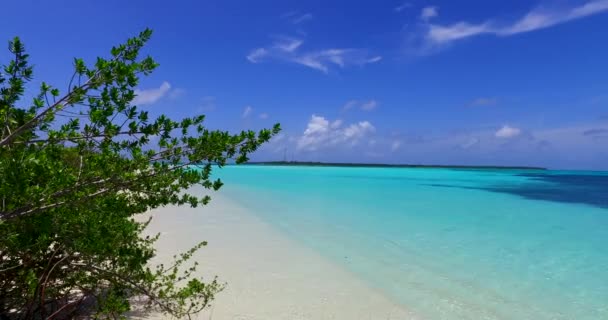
(381, 165)
(75, 169)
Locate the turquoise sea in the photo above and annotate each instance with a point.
(448, 243)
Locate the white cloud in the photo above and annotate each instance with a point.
(539, 18)
(322, 60)
(444, 34)
(150, 96)
(288, 44)
(316, 125)
(395, 145)
(296, 17)
(248, 110)
(363, 105)
(278, 138)
(403, 6)
(257, 54)
(369, 105)
(581, 136)
(263, 116)
(470, 143)
(176, 93)
(289, 49)
(374, 59)
(577, 145)
(349, 105)
(302, 18)
(507, 132)
(428, 13)
(321, 133)
(358, 130)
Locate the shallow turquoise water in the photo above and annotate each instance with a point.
(447, 243)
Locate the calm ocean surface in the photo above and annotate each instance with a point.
(448, 243)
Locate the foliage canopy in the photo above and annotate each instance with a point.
(76, 167)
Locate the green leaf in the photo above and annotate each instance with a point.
(72, 193)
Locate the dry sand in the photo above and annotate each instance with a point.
(269, 276)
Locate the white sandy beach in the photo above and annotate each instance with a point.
(269, 276)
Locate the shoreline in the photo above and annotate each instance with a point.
(268, 275)
(385, 165)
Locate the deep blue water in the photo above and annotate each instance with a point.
(448, 243)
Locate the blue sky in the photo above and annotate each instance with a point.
(434, 82)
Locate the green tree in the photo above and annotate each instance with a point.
(75, 168)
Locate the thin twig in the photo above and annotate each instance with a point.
(54, 314)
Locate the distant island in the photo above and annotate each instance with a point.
(383, 165)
